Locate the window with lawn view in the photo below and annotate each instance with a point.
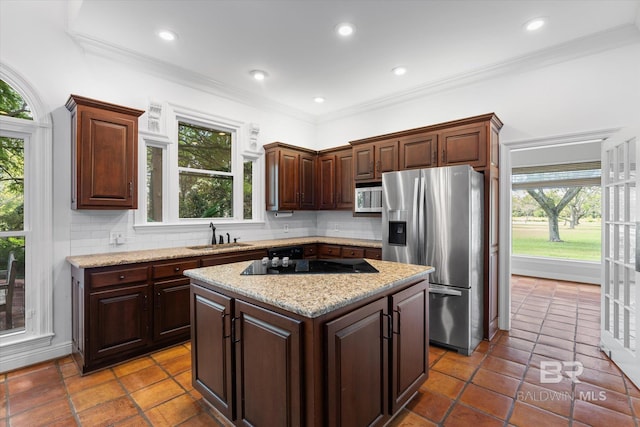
(556, 211)
(205, 172)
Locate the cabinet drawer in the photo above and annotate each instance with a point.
(310, 251)
(329, 251)
(349, 252)
(373, 253)
(118, 277)
(172, 268)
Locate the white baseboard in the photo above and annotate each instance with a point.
(22, 359)
(559, 269)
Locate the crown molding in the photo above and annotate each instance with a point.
(183, 76)
(589, 45)
(573, 49)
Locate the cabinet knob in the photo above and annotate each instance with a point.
(121, 277)
(177, 268)
(352, 253)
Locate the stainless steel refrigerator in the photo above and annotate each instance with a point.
(435, 217)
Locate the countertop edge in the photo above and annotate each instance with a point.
(107, 259)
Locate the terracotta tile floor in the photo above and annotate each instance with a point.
(499, 384)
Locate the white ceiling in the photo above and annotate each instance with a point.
(220, 41)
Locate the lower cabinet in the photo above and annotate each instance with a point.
(246, 360)
(358, 367)
(119, 322)
(170, 319)
(377, 356)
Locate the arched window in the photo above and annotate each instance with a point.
(26, 311)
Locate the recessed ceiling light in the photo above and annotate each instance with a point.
(167, 35)
(319, 99)
(535, 24)
(258, 74)
(399, 71)
(345, 29)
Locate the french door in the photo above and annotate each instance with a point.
(620, 314)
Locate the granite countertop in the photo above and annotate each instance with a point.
(310, 295)
(131, 257)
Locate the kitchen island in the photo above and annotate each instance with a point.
(309, 349)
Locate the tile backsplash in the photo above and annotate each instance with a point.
(91, 230)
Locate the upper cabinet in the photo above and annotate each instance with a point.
(372, 159)
(290, 177)
(335, 179)
(104, 154)
(471, 141)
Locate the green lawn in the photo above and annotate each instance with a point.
(532, 238)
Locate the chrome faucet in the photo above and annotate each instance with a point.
(213, 238)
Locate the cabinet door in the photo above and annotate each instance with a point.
(344, 180)
(419, 151)
(329, 251)
(464, 145)
(410, 354)
(386, 157)
(268, 367)
(271, 186)
(326, 181)
(211, 348)
(307, 195)
(373, 253)
(118, 321)
(107, 156)
(171, 309)
(363, 166)
(288, 180)
(357, 358)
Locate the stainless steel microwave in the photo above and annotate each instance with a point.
(368, 199)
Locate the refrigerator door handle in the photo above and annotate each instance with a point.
(422, 229)
(445, 292)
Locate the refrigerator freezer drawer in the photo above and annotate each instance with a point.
(454, 319)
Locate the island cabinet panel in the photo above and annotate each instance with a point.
(357, 367)
(119, 322)
(268, 367)
(410, 349)
(211, 349)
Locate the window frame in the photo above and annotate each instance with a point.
(38, 226)
(165, 136)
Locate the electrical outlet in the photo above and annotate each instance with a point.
(286, 228)
(116, 238)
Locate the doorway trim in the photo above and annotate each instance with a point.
(506, 149)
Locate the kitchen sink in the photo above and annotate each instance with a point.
(217, 246)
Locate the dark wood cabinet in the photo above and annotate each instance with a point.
(218, 259)
(410, 344)
(371, 160)
(212, 365)
(357, 367)
(335, 179)
(373, 253)
(360, 367)
(464, 145)
(268, 358)
(290, 177)
(419, 151)
(104, 151)
(228, 335)
(328, 251)
(119, 321)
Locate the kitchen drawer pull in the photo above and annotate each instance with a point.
(177, 268)
(121, 277)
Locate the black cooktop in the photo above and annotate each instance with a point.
(311, 266)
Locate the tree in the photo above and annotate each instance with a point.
(586, 202)
(12, 104)
(548, 203)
